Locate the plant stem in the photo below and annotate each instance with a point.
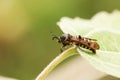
(55, 62)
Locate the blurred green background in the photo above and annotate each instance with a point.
(25, 31)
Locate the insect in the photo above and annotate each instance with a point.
(84, 42)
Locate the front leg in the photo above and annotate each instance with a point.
(61, 49)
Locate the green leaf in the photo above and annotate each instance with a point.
(104, 27)
(80, 26)
(108, 39)
(107, 62)
(108, 57)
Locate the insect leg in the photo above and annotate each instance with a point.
(79, 37)
(93, 50)
(61, 49)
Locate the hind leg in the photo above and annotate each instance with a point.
(93, 50)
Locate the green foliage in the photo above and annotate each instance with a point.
(105, 28)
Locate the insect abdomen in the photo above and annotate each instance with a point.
(90, 46)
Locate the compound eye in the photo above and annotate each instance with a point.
(63, 38)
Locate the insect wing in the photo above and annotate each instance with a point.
(90, 39)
